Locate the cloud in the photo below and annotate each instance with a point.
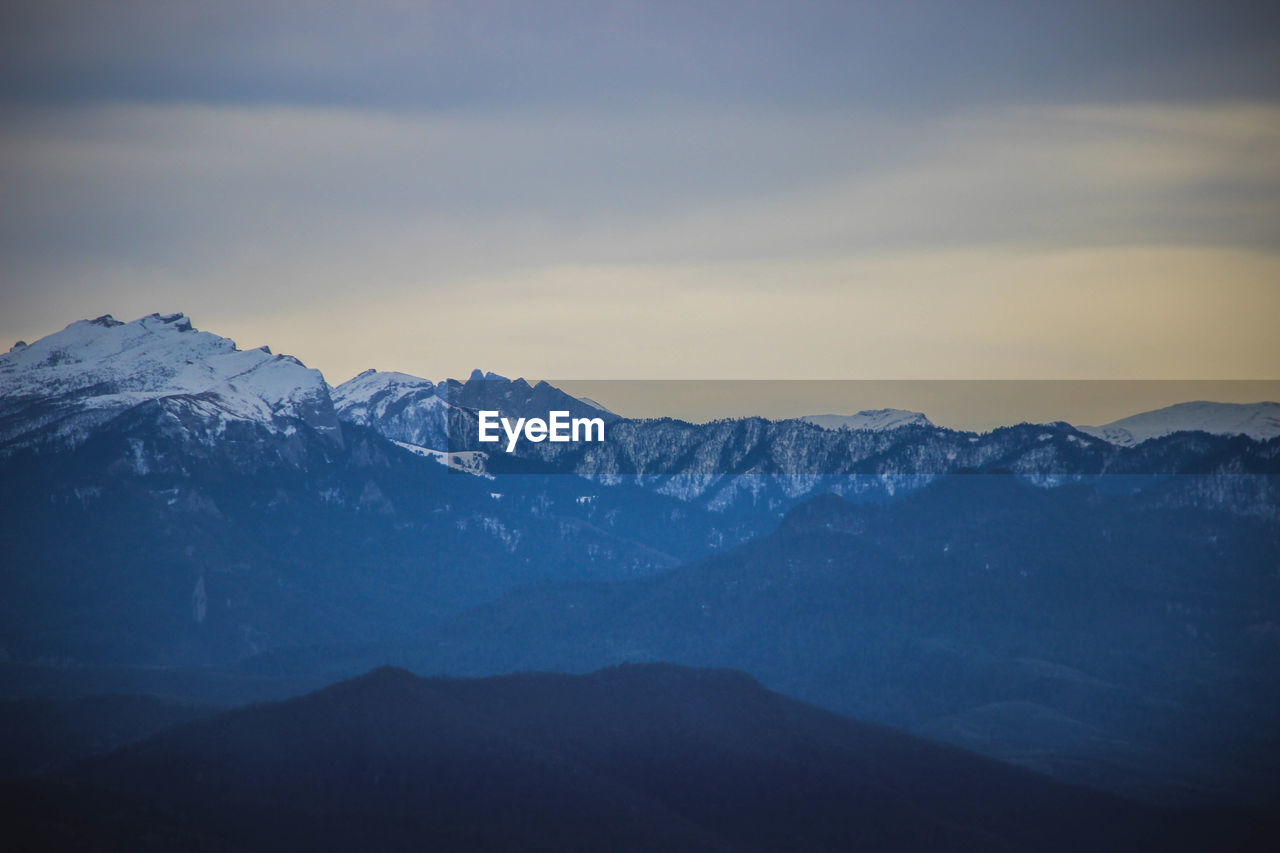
(503, 53)
(531, 237)
(654, 189)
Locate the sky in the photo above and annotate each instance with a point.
(716, 190)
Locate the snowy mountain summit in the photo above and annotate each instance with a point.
(66, 384)
(1259, 421)
(404, 408)
(871, 419)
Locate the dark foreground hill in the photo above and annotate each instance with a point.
(38, 735)
(640, 757)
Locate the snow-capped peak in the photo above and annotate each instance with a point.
(870, 419)
(1259, 421)
(405, 408)
(94, 369)
(365, 386)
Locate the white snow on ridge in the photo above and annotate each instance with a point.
(66, 384)
(374, 390)
(94, 369)
(1259, 421)
(401, 407)
(870, 419)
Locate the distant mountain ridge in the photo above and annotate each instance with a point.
(1258, 421)
(64, 385)
(870, 419)
(159, 377)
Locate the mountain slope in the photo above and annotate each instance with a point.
(633, 758)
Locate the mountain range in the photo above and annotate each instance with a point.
(61, 387)
(182, 517)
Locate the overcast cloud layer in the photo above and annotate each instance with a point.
(655, 190)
